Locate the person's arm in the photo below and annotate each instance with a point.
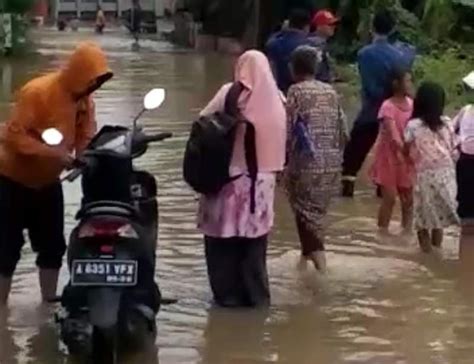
(343, 123)
(395, 136)
(369, 88)
(22, 133)
(291, 111)
(387, 115)
(456, 123)
(86, 125)
(409, 139)
(453, 139)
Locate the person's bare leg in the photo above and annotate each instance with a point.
(386, 210)
(407, 211)
(302, 262)
(5, 286)
(437, 238)
(319, 261)
(49, 283)
(424, 239)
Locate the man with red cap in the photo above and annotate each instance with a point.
(325, 23)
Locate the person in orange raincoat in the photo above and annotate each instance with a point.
(31, 196)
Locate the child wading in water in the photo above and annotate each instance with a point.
(392, 170)
(433, 147)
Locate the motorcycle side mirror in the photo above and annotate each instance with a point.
(154, 99)
(52, 137)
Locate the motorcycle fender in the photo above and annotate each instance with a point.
(104, 305)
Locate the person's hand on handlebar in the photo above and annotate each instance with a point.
(66, 159)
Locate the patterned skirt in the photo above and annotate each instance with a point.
(435, 204)
(310, 193)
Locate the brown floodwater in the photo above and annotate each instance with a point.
(383, 302)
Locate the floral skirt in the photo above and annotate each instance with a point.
(228, 213)
(435, 204)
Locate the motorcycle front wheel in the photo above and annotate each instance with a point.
(104, 346)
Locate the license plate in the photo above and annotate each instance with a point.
(96, 272)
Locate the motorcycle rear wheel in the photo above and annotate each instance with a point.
(104, 346)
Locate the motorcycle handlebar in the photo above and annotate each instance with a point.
(73, 175)
(155, 138)
(80, 163)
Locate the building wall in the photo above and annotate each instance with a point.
(80, 7)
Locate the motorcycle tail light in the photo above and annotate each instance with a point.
(107, 249)
(99, 228)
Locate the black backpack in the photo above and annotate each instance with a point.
(210, 147)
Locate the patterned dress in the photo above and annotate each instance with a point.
(434, 154)
(313, 178)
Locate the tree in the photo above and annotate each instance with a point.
(17, 6)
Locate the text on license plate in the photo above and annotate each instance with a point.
(89, 272)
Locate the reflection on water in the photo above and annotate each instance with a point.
(383, 302)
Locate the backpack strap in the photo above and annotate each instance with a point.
(232, 108)
(252, 162)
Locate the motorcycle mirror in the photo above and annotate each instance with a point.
(154, 99)
(52, 137)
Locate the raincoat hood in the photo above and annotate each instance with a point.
(86, 67)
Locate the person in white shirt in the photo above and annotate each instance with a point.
(464, 126)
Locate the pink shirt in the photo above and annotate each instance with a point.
(395, 119)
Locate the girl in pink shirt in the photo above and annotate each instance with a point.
(392, 169)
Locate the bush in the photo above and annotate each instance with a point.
(447, 68)
(18, 6)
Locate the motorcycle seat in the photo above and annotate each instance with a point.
(110, 208)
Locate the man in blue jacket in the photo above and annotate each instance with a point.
(282, 44)
(376, 62)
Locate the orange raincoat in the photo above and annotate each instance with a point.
(52, 101)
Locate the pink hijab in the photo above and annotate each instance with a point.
(261, 104)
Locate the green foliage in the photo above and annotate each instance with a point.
(438, 18)
(447, 68)
(16, 6)
(468, 3)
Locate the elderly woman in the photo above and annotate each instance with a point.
(317, 133)
(236, 234)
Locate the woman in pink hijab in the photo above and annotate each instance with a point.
(236, 237)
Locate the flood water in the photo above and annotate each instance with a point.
(383, 302)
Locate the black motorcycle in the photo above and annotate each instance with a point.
(112, 300)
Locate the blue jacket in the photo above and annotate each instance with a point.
(279, 48)
(376, 63)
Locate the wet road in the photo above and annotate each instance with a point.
(382, 303)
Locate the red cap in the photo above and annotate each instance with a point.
(324, 17)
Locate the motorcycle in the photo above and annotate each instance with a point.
(112, 300)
